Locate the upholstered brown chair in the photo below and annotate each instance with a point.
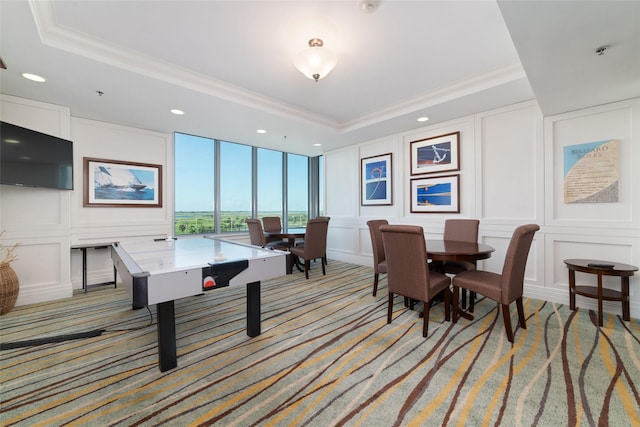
(506, 287)
(379, 260)
(256, 235)
(271, 224)
(301, 243)
(315, 243)
(461, 230)
(408, 271)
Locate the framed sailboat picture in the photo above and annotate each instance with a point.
(436, 154)
(114, 183)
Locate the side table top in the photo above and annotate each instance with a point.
(616, 269)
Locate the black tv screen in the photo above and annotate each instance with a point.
(33, 159)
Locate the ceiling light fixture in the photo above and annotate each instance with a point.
(177, 112)
(315, 62)
(423, 119)
(368, 6)
(261, 131)
(34, 77)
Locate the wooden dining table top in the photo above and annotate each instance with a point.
(452, 250)
(292, 233)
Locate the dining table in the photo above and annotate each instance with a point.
(439, 250)
(290, 235)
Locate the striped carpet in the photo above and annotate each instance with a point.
(326, 357)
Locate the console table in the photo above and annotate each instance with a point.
(600, 268)
(95, 246)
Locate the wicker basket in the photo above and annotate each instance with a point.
(9, 288)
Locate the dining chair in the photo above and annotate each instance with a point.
(408, 272)
(503, 288)
(301, 243)
(257, 237)
(379, 260)
(315, 243)
(461, 230)
(271, 224)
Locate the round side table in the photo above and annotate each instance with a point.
(600, 268)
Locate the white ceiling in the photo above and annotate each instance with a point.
(229, 64)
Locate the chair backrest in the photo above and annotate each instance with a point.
(406, 253)
(256, 235)
(315, 238)
(515, 262)
(272, 224)
(461, 230)
(376, 241)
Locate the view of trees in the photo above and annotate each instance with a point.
(203, 223)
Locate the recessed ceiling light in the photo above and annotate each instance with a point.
(423, 119)
(261, 131)
(177, 112)
(317, 145)
(12, 141)
(34, 77)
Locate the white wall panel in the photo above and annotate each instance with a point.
(613, 121)
(341, 181)
(510, 141)
(38, 218)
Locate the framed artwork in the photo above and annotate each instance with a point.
(436, 195)
(115, 183)
(375, 180)
(436, 154)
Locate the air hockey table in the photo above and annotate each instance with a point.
(161, 272)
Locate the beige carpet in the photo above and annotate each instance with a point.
(326, 357)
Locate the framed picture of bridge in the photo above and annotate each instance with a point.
(436, 154)
(115, 183)
(375, 180)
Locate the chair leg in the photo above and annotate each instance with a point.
(454, 314)
(521, 319)
(389, 307)
(464, 298)
(306, 268)
(472, 301)
(324, 273)
(507, 321)
(425, 321)
(447, 304)
(375, 284)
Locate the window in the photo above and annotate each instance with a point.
(235, 186)
(297, 190)
(219, 184)
(269, 183)
(194, 184)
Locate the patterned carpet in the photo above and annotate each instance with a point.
(326, 357)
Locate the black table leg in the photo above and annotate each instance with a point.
(168, 358)
(253, 309)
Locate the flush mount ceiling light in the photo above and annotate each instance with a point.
(315, 62)
(368, 6)
(34, 77)
(177, 112)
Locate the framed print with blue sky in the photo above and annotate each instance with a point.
(116, 183)
(436, 154)
(375, 180)
(436, 195)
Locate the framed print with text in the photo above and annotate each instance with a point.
(436, 194)
(115, 183)
(436, 154)
(375, 180)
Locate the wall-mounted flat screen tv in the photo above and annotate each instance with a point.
(34, 159)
